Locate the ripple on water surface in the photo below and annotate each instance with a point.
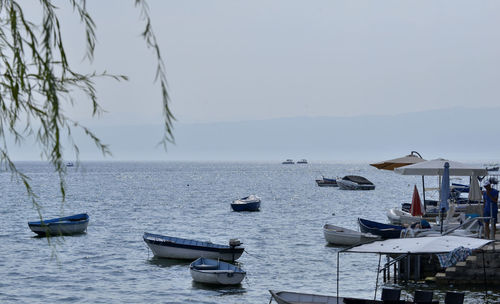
(111, 263)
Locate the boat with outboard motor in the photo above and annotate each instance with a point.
(178, 248)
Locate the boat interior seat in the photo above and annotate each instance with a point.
(423, 296)
(205, 267)
(454, 297)
(390, 294)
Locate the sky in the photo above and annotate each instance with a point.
(233, 60)
(244, 60)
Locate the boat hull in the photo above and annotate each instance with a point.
(209, 271)
(346, 237)
(348, 185)
(254, 206)
(70, 225)
(385, 231)
(184, 249)
(399, 217)
(287, 297)
(326, 183)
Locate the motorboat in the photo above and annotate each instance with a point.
(355, 182)
(346, 237)
(385, 231)
(302, 161)
(74, 224)
(288, 162)
(185, 249)
(249, 203)
(327, 182)
(400, 217)
(209, 271)
(69, 164)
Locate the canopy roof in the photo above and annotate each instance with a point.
(392, 164)
(436, 167)
(357, 179)
(422, 245)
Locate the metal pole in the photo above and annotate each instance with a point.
(338, 268)
(376, 282)
(423, 193)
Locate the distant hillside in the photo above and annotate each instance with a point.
(466, 134)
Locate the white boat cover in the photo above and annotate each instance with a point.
(436, 167)
(423, 245)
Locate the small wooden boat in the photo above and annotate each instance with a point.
(288, 297)
(215, 272)
(355, 182)
(346, 237)
(185, 249)
(249, 203)
(385, 231)
(68, 225)
(400, 217)
(327, 182)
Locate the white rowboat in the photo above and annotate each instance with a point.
(215, 272)
(346, 237)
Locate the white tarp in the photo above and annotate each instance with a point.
(475, 193)
(436, 167)
(422, 245)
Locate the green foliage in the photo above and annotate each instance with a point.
(37, 83)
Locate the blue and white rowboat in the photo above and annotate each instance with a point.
(210, 271)
(385, 231)
(185, 249)
(68, 225)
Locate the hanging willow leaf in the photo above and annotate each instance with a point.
(37, 83)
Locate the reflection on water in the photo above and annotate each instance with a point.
(168, 262)
(222, 290)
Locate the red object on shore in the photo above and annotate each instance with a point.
(416, 204)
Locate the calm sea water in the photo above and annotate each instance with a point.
(111, 263)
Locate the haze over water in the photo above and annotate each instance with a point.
(111, 263)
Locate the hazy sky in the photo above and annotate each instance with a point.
(242, 60)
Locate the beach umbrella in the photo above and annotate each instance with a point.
(436, 167)
(475, 194)
(416, 204)
(445, 188)
(391, 164)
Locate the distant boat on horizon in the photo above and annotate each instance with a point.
(289, 161)
(69, 164)
(302, 161)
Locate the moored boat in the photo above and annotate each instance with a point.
(355, 182)
(302, 161)
(327, 182)
(216, 272)
(288, 162)
(185, 249)
(346, 237)
(288, 297)
(74, 224)
(400, 217)
(249, 203)
(385, 231)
